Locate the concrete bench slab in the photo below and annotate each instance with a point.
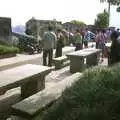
(29, 107)
(62, 58)
(77, 59)
(59, 62)
(29, 77)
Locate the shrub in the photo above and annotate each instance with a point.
(96, 96)
(8, 49)
(3, 42)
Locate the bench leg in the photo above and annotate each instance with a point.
(33, 86)
(76, 64)
(41, 83)
(92, 60)
(58, 65)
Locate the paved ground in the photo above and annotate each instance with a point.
(21, 59)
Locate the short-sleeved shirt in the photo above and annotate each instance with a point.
(78, 38)
(86, 36)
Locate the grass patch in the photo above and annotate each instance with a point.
(96, 96)
(7, 49)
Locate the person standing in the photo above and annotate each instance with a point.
(118, 31)
(49, 41)
(59, 44)
(114, 55)
(97, 38)
(78, 40)
(86, 38)
(101, 40)
(108, 34)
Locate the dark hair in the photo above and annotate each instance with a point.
(103, 30)
(118, 29)
(114, 35)
(59, 30)
(50, 28)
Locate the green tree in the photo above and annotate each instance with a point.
(78, 23)
(102, 20)
(111, 2)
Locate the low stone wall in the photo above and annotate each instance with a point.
(7, 55)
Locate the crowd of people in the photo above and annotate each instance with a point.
(52, 40)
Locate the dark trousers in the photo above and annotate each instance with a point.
(86, 44)
(97, 45)
(47, 54)
(58, 52)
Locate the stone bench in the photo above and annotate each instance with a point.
(81, 59)
(60, 62)
(37, 103)
(29, 77)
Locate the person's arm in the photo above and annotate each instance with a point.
(42, 41)
(55, 40)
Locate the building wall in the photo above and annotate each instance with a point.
(38, 27)
(5, 29)
(70, 27)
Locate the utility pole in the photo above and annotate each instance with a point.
(109, 14)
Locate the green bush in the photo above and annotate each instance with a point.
(7, 49)
(3, 42)
(96, 96)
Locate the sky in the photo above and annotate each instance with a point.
(62, 10)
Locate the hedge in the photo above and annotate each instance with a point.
(96, 96)
(3, 42)
(7, 49)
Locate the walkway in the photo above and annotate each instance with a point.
(21, 59)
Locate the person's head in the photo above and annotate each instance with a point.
(50, 28)
(118, 29)
(59, 30)
(103, 30)
(114, 35)
(86, 29)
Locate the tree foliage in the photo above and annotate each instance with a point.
(112, 2)
(78, 23)
(102, 20)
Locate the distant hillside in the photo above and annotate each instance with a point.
(18, 29)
